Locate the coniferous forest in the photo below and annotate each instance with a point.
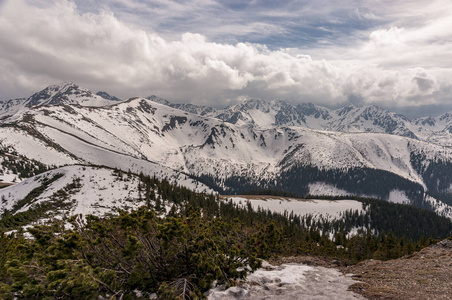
(182, 242)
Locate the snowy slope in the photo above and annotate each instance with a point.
(317, 208)
(371, 118)
(198, 145)
(250, 146)
(88, 190)
(11, 107)
(124, 134)
(348, 119)
(100, 190)
(290, 281)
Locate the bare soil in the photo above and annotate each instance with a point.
(423, 275)
(4, 184)
(316, 261)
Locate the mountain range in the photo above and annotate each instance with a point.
(253, 146)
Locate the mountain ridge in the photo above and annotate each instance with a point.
(372, 118)
(143, 135)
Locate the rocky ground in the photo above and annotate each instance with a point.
(289, 281)
(423, 275)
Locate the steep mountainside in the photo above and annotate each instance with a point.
(372, 118)
(11, 107)
(247, 152)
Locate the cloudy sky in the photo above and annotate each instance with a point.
(395, 54)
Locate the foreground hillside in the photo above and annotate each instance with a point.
(423, 275)
(81, 189)
(202, 244)
(179, 243)
(426, 274)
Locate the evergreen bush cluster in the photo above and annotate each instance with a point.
(133, 254)
(201, 241)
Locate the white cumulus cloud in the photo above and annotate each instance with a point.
(46, 44)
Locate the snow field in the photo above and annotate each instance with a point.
(317, 208)
(288, 282)
(101, 191)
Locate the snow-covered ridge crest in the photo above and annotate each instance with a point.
(67, 93)
(270, 113)
(83, 190)
(265, 114)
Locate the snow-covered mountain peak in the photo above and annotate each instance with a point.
(188, 107)
(346, 109)
(262, 144)
(261, 113)
(310, 109)
(256, 113)
(262, 105)
(156, 99)
(107, 96)
(67, 93)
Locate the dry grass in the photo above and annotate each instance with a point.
(423, 275)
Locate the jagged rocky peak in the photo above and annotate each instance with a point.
(7, 104)
(67, 93)
(425, 121)
(259, 112)
(447, 117)
(159, 100)
(258, 104)
(346, 109)
(107, 96)
(196, 109)
(310, 109)
(56, 94)
(188, 107)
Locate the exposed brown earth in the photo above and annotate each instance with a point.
(3, 184)
(317, 261)
(423, 275)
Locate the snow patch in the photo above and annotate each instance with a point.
(325, 189)
(397, 196)
(317, 208)
(100, 191)
(439, 207)
(290, 281)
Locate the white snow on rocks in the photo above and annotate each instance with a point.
(100, 190)
(397, 196)
(290, 281)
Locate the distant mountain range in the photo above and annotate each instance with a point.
(372, 118)
(249, 147)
